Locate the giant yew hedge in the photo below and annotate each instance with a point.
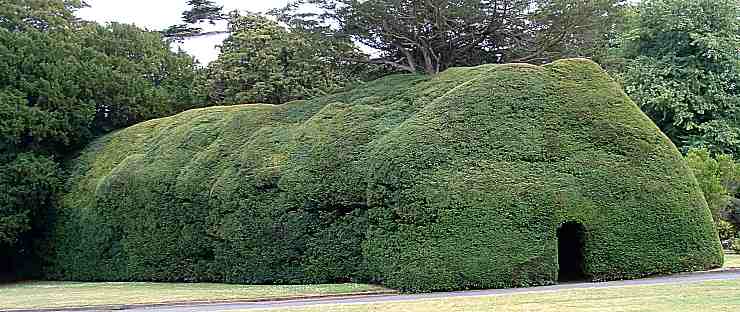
(457, 181)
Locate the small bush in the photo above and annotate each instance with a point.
(726, 230)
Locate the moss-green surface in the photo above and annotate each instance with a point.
(452, 182)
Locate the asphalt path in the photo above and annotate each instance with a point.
(232, 306)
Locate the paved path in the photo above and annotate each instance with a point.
(673, 279)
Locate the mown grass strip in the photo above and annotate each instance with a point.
(692, 297)
(38, 295)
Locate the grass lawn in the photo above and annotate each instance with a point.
(732, 260)
(30, 295)
(717, 296)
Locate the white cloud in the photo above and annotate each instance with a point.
(160, 14)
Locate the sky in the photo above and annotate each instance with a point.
(160, 14)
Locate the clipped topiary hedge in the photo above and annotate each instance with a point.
(453, 182)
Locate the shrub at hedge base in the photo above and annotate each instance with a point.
(458, 181)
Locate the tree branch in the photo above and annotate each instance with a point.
(382, 61)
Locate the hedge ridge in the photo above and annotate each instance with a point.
(453, 182)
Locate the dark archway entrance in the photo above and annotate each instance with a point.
(571, 238)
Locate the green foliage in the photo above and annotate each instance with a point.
(29, 184)
(433, 35)
(263, 62)
(683, 70)
(143, 78)
(421, 183)
(726, 230)
(199, 11)
(43, 15)
(202, 10)
(59, 89)
(719, 178)
(62, 83)
(707, 172)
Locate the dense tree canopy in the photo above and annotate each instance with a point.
(62, 83)
(684, 68)
(29, 184)
(45, 15)
(430, 36)
(263, 62)
(144, 79)
(59, 89)
(718, 177)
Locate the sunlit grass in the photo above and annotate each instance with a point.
(692, 297)
(732, 260)
(717, 296)
(30, 295)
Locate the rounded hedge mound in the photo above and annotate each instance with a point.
(453, 182)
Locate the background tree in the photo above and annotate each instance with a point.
(16, 15)
(144, 79)
(199, 11)
(62, 83)
(719, 178)
(432, 35)
(30, 183)
(203, 11)
(263, 62)
(683, 70)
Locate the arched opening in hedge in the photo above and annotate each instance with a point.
(571, 239)
(313, 191)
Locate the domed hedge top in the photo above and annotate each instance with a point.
(453, 182)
